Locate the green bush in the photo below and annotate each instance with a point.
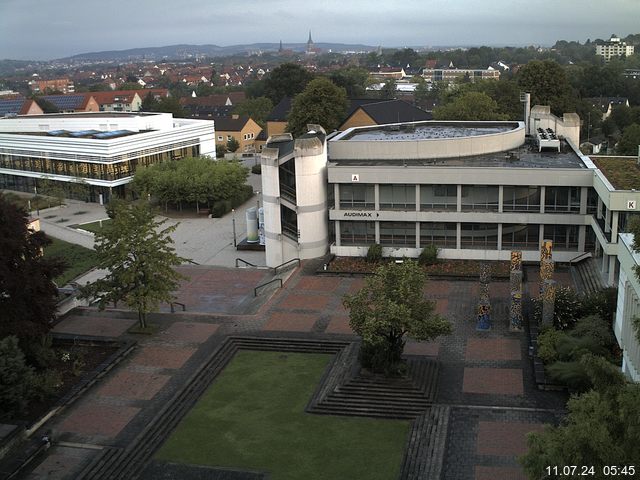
(257, 169)
(429, 255)
(244, 194)
(374, 253)
(220, 208)
(548, 344)
(567, 310)
(40, 353)
(602, 303)
(17, 385)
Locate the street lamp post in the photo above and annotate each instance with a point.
(233, 223)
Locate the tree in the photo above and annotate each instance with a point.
(233, 145)
(287, 80)
(28, 295)
(170, 105)
(321, 103)
(16, 377)
(548, 84)
(390, 307)
(388, 90)
(602, 427)
(138, 254)
(256, 108)
(352, 79)
(149, 103)
(470, 106)
(630, 140)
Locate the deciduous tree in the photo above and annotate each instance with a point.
(470, 106)
(321, 103)
(256, 108)
(287, 80)
(630, 140)
(390, 307)
(137, 252)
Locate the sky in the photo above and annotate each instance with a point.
(46, 29)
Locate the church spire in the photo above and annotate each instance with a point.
(280, 49)
(309, 42)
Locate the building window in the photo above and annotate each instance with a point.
(287, 173)
(397, 197)
(220, 138)
(437, 233)
(357, 233)
(521, 199)
(289, 222)
(480, 198)
(562, 200)
(592, 201)
(479, 235)
(229, 137)
(438, 197)
(354, 196)
(398, 234)
(520, 236)
(564, 237)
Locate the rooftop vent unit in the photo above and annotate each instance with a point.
(547, 139)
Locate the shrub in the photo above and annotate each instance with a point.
(16, 378)
(547, 345)
(220, 208)
(374, 253)
(220, 150)
(566, 311)
(429, 255)
(40, 353)
(244, 194)
(257, 169)
(602, 303)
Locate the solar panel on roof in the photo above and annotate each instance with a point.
(65, 102)
(112, 134)
(10, 106)
(83, 133)
(56, 133)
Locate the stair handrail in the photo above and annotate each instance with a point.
(255, 290)
(245, 262)
(275, 269)
(580, 257)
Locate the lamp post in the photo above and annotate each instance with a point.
(233, 223)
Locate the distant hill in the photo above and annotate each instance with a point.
(189, 51)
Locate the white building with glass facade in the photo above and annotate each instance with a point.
(99, 149)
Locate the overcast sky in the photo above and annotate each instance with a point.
(47, 29)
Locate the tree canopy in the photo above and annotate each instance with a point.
(548, 84)
(470, 106)
(256, 108)
(191, 180)
(390, 307)
(138, 254)
(321, 103)
(630, 140)
(353, 79)
(28, 295)
(602, 427)
(287, 80)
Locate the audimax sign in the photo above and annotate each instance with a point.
(361, 214)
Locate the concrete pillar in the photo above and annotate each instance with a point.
(500, 235)
(599, 208)
(417, 234)
(336, 195)
(376, 196)
(543, 192)
(417, 198)
(612, 271)
(337, 232)
(377, 232)
(607, 220)
(458, 232)
(500, 202)
(582, 236)
(459, 200)
(614, 227)
(584, 192)
(541, 236)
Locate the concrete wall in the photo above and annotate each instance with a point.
(628, 307)
(428, 148)
(568, 126)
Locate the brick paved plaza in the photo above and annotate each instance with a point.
(485, 377)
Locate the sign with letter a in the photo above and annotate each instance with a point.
(355, 177)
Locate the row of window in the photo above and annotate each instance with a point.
(246, 136)
(472, 235)
(473, 197)
(101, 171)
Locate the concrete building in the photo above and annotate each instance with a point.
(628, 307)
(99, 149)
(244, 129)
(451, 75)
(614, 48)
(63, 85)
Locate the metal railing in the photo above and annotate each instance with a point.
(579, 258)
(249, 264)
(173, 308)
(255, 290)
(288, 262)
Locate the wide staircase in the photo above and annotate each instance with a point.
(587, 275)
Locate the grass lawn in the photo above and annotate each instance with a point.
(94, 226)
(79, 259)
(253, 418)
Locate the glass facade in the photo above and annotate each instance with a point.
(100, 170)
(287, 175)
(398, 234)
(357, 196)
(438, 197)
(357, 233)
(479, 198)
(564, 237)
(521, 236)
(520, 199)
(562, 200)
(438, 233)
(479, 235)
(397, 197)
(289, 222)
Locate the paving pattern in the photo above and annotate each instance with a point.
(485, 384)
